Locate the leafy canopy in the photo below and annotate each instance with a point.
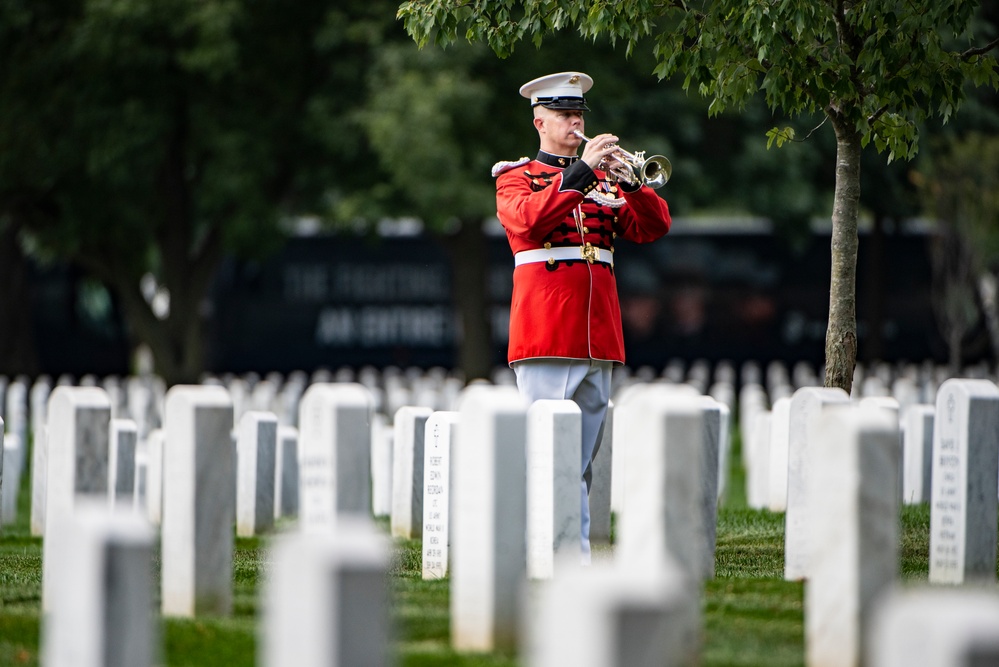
(876, 67)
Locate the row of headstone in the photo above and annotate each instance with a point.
(199, 510)
(488, 567)
(847, 546)
(513, 420)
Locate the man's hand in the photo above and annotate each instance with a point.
(598, 151)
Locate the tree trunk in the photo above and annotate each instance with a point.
(469, 265)
(17, 344)
(176, 342)
(841, 334)
(988, 292)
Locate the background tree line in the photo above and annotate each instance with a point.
(142, 141)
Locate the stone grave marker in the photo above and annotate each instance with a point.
(256, 454)
(917, 453)
(79, 423)
(488, 545)
(965, 475)
(713, 417)
(39, 478)
(13, 453)
(326, 601)
(382, 436)
(758, 461)
(780, 430)
(441, 436)
(663, 483)
(601, 482)
(607, 616)
(724, 448)
(806, 404)
(334, 454)
(16, 416)
(121, 463)
(198, 502)
(409, 428)
(139, 491)
(286, 473)
(935, 627)
(854, 508)
(154, 476)
(554, 440)
(103, 610)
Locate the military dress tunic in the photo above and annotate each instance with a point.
(568, 308)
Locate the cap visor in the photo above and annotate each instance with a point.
(569, 104)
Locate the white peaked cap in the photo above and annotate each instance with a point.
(558, 91)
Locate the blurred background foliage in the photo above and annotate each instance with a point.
(142, 141)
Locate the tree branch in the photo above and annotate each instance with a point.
(971, 53)
(877, 114)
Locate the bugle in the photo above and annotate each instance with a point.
(635, 168)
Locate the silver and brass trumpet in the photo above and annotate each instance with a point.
(635, 168)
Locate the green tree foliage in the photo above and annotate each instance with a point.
(873, 69)
(151, 136)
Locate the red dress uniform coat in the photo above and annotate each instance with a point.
(569, 308)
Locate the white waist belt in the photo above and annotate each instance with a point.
(552, 255)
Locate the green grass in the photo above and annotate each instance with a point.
(750, 615)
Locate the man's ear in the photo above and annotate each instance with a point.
(539, 123)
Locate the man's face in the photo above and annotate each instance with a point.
(556, 126)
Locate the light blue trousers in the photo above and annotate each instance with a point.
(588, 384)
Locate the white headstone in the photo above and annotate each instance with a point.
(713, 417)
(806, 404)
(663, 483)
(140, 490)
(13, 453)
(139, 400)
(16, 445)
(724, 448)
(758, 461)
(334, 451)
(854, 509)
(326, 601)
(407, 471)
(16, 416)
(256, 452)
(79, 421)
(382, 436)
(198, 502)
(780, 430)
(489, 509)
(286, 473)
(607, 616)
(965, 475)
(917, 437)
(600, 484)
(441, 435)
(39, 478)
(39, 399)
(752, 402)
(121, 463)
(935, 627)
(154, 476)
(103, 610)
(554, 441)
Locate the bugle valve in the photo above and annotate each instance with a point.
(635, 168)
